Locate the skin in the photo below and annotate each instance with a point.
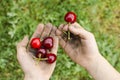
(84, 51)
(33, 69)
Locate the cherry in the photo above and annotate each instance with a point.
(41, 53)
(51, 58)
(35, 43)
(48, 42)
(70, 17)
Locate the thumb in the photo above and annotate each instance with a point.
(21, 46)
(77, 30)
(24, 58)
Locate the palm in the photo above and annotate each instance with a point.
(26, 57)
(72, 46)
(81, 45)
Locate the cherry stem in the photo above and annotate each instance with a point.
(43, 59)
(64, 32)
(68, 35)
(69, 32)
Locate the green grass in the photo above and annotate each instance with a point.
(20, 17)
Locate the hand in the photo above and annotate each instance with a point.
(82, 47)
(43, 70)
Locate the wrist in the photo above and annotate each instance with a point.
(93, 61)
(31, 77)
(100, 69)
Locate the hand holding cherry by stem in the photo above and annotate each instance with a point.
(70, 18)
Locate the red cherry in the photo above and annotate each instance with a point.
(48, 42)
(70, 17)
(35, 43)
(41, 52)
(51, 58)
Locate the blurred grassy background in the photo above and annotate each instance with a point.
(20, 17)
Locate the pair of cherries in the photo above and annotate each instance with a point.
(42, 47)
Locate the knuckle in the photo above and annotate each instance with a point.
(91, 35)
(49, 25)
(40, 24)
(18, 44)
(17, 56)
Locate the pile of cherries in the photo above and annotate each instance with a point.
(42, 47)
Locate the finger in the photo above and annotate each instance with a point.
(55, 39)
(62, 31)
(47, 30)
(62, 42)
(46, 66)
(76, 30)
(23, 57)
(59, 30)
(38, 31)
(22, 45)
(77, 25)
(65, 28)
(68, 49)
(55, 46)
(53, 31)
(61, 27)
(61, 35)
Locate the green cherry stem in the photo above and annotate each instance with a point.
(69, 32)
(64, 32)
(43, 59)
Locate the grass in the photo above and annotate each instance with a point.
(20, 17)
